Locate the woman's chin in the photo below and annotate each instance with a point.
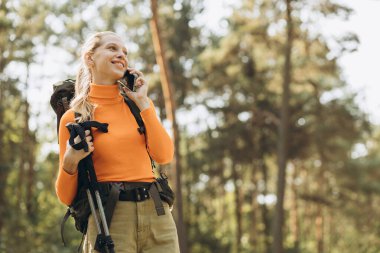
(120, 74)
(117, 75)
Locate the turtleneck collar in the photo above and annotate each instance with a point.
(104, 94)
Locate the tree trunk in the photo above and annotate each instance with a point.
(253, 231)
(24, 148)
(264, 208)
(319, 222)
(170, 107)
(294, 213)
(3, 167)
(307, 208)
(238, 208)
(29, 147)
(283, 138)
(266, 222)
(3, 162)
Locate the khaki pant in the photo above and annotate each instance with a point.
(136, 228)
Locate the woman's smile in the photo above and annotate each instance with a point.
(118, 63)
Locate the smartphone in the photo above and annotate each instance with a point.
(130, 79)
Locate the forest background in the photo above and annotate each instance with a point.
(275, 149)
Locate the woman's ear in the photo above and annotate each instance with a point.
(89, 61)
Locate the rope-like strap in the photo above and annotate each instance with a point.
(67, 215)
(76, 129)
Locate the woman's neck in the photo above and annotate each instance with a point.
(104, 81)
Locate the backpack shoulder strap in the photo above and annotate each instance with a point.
(136, 113)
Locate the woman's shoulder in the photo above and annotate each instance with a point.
(68, 116)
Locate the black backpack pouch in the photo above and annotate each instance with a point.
(166, 193)
(80, 208)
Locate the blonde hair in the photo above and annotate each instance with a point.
(80, 103)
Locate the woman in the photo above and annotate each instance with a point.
(121, 155)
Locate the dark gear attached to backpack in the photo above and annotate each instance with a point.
(106, 194)
(63, 92)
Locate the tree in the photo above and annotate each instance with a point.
(17, 48)
(170, 107)
(283, 134)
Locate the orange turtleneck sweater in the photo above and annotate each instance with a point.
(120, 154)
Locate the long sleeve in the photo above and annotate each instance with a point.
(66, 184)
(159, 143)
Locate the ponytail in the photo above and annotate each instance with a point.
(80, 102)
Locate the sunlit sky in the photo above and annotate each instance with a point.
(361, 69)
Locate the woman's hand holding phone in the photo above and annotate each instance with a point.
(139, 91)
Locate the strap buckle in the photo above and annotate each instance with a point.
(140, 194)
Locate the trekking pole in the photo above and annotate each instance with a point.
(104, 243)
(92, 207)
(93, 210)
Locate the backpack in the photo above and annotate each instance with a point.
(63, 93)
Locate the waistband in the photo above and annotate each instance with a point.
(135, 191)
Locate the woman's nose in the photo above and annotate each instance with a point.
(120, 55)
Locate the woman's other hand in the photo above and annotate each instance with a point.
(72, 156)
